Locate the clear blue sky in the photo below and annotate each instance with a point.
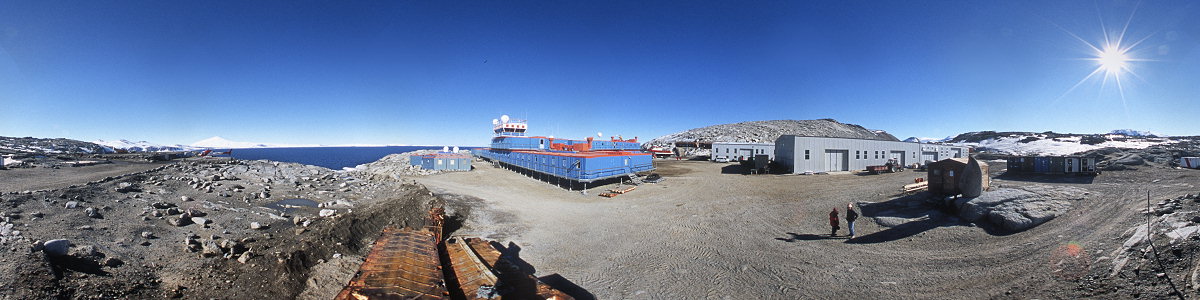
(437, 72)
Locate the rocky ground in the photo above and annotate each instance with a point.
(197, 229)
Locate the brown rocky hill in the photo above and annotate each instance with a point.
(769, 131)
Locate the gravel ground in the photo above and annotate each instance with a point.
(705, 234)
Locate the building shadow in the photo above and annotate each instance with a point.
(735, 169)
(916, 210)
(1047, 178)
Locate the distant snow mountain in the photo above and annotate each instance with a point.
(926, 139)
(219, 142)
(1051, 143)
(141, 146)
(1140, 133)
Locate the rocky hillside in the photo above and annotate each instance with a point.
(769, 131)
(57, 145)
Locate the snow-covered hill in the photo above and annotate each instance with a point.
(141, 146)
(1050, 143)
(55, 145)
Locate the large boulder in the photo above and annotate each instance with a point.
(974, 178)
(1018, 209)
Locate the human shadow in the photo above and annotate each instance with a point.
(516, 278)
(566, 286)
(1047, 178)
(796, 237)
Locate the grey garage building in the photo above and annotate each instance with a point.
(800, 154)
(741, 151)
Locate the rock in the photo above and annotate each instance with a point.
(195, 213)
(1130, 160)
(71, 204)
(57, 247)
(256, 225)
(148, 235)
(162, 205)
(113, 262)
(186, 198)
(84, 227)
(84, 251)
(92, 213)
(327, 212)
(1012, 209)
(209, 248)
(156, 214)
(179, 221)
(199, 220)
(264, 195)
(173, 211)
(36, 214)
(245, 257)
(125, 187)
(297, 220)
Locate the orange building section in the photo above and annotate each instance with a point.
(403, 264)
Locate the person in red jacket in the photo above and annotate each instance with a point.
(833, 222)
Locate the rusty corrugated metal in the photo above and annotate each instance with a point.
(473, 276)
(403, 264)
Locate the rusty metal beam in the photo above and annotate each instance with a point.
(403, 264)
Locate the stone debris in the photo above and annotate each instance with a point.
(91, 212)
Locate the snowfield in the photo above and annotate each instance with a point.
(1019, 144)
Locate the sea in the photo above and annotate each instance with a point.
(330, 157)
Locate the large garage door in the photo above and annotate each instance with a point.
(837, 160)
(898, 156)
(928, 157)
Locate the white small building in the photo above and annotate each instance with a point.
(801, 154)
(1189, 162)
(741, 151)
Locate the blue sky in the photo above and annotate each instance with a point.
(437, 72)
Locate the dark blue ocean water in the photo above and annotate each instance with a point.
(330, 157)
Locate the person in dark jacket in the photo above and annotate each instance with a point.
(833, 222)
(851, 215)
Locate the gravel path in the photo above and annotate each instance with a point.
(704, 234)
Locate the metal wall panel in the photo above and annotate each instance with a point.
(860, 153)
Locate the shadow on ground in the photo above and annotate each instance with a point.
(796, 237)
(1047, 178)
(904, 217)
(520, 284)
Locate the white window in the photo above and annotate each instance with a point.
(439, 162)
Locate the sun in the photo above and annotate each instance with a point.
(1113, 60)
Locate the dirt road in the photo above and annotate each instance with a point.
(704, 234)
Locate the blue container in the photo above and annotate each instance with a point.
(1041, 164)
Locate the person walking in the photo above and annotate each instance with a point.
(851, 215)
(833, 222)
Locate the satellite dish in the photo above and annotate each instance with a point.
(551, 136)
(455, 149)
(495, 122)
(445, 148)
(598, 134)
(504, 119)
